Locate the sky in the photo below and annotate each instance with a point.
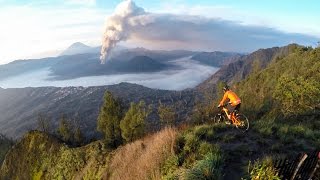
(34, 29)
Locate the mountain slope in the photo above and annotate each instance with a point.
(283, 105)
(19, 108)
(5, 145)
(280, 92)
(216, 58)
(240, 69)
(289, 85)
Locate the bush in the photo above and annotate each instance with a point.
(208, 168)
(263, 170)
(171, 165)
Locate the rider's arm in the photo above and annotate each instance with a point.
(225, 97)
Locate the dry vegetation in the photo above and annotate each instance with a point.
(142, 159)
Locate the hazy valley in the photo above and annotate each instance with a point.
(149, 94)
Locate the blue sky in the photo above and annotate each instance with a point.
(33, 28)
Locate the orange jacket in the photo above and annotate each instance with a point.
(233, 98)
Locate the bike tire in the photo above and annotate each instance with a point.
(218, 118)
(244, 123)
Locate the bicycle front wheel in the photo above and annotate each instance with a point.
(218, 118)
(243, 122)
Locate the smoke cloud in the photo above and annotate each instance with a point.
(134, 25)
(117, 26)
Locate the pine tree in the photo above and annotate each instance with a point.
(78, 136)
(109, 121)
(65, 129)
(133, 124)
(43, 122)
(167, 115)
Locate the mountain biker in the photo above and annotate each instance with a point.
(234, 102)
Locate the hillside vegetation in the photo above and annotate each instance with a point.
(284, 98)
(281, 97)
(43, 157)
(5, 145)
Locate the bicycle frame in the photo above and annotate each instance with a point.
(230, 116)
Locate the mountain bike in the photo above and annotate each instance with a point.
(240, 121)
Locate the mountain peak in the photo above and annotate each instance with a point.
(77, 48)
(78, 45)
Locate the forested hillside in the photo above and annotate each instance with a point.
(284, 98)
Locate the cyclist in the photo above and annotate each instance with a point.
(234, 102)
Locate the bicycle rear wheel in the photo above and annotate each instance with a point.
(218, 118)
(243, 122)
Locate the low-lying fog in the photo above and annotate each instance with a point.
(189, 75)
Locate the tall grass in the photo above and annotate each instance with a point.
(263, 170)
(208, 168)
(144, 158)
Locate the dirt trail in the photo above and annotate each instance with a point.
(241, 148)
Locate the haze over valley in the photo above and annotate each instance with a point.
(187, 73)
(161, 89)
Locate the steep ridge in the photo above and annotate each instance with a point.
(240, 69)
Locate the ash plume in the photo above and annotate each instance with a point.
(118, 25)
(188, 32)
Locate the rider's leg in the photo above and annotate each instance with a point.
(237, 109)
(230, 110)
(234, 110)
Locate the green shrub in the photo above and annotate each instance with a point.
(263, 170)
(210, 134)
(208, 168)
(191, 144)
(206, 148)
(171, 165)
(201, 131)
(298, 130)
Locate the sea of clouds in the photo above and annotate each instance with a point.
(189, 74)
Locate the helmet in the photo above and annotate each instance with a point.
(226, 88)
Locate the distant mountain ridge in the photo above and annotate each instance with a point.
(216, 58)
(240, 69)
(82, 65)
(88, 64)
(81, 60)
(19, 108)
